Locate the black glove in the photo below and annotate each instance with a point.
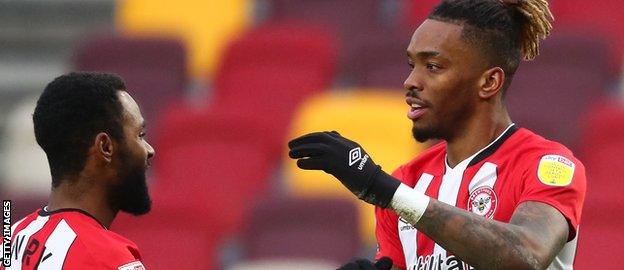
(384, 263)
(347, 161)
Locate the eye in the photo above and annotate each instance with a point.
(432, 67)
(411, 66)
(142, 135)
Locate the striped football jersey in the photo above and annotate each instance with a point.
(518, 166)
(69, 239)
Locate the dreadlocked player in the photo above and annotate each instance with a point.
(491, 195)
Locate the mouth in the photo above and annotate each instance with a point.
(417, 108)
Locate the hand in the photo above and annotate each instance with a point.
(348, 162)
(384, 263)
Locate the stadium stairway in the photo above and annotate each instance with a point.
(38, 37)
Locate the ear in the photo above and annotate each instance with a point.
(491, 82)
(104, 146)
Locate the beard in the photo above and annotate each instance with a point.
(424, 134)
(444, 125)
(130, 195)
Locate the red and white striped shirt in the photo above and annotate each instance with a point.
(69, 239)
(518, 166)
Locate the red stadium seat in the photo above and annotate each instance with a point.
(183, 122)
(295, 228)
(207, 159)
(204, 177)
(599, 122)
(550, 94)
(268, 71)
(604, 17)
(550, 101)
(169, 241)
(347, 19)
(600, 236)
(154, 68)
(346, 16)
(378, 60)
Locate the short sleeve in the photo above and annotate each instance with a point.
(96, 256)
(559, 181)
(386, 231)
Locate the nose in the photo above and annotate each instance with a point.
(413, 81)
(150, 151)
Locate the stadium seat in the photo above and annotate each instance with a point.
(154, 68)
(549, 101)
(295, 228)
(599, 235)
(603, 143)
(565, 47)
(205, 25)
(215, 159)
(378, 60)
(375, 119)
(594, 17)
(549, 94)
(599, 121)
(266, 73)
(25, 170)
(169, 241)
(284, 264)
(346, 16)
(281, 44)
(346, 19)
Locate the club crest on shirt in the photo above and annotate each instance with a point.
(483, 202)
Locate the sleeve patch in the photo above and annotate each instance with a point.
(555, 170)
(137, 265)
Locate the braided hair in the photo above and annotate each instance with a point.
(505, 31)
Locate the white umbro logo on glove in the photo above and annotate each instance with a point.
(355, 155)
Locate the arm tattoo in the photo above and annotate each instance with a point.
(534, 236)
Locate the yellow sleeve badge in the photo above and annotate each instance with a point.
(555, 170)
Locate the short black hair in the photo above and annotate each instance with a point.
(504, 31)
(70, 112)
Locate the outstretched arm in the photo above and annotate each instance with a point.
(535, 234)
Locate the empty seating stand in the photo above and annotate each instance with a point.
(600, 235)
(154, 68)
(310, 229)
(206, 26)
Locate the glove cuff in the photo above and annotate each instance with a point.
(382, 189)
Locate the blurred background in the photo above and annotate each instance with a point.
(225, 84)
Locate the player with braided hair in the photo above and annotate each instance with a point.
(491, 195)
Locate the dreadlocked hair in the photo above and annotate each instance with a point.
(537, 26)
(505, 31)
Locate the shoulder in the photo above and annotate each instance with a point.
(534, 149)
(98, 244)
(23, 223)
